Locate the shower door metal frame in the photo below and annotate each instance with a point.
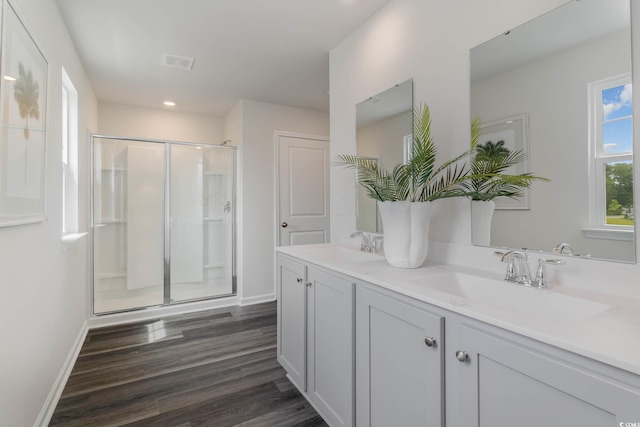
(167, 219)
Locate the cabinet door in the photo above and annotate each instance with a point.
(292, 334)
(504, 384)
(330, 345)
(399, 379)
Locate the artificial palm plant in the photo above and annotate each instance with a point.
(418, 180)
(487, 179)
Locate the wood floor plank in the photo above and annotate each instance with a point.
(216, 367)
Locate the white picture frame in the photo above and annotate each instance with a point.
(23, 116)
(514, 131)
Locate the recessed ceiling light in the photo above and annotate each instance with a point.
(9, 78)
(169, 103)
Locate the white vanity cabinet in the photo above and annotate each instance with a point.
(316, 336)
(497, 378)
(399, 369)
(396, 352)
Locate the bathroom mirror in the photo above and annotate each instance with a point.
(383, 133)
(567, 74)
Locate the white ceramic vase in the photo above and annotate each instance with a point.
(406, 232)
(481, 216)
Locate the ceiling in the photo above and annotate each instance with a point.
(274, 51)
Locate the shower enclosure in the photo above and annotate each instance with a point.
(163, 222)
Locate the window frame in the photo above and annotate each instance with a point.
(69, 162)
(598, 228)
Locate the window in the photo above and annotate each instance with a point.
(611, 148)
(70, 227)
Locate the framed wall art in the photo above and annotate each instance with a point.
(513, 132)
(23, 95)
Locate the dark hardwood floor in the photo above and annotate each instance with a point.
(212, 368)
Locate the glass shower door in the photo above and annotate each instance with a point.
(128, 206)
(202, 226)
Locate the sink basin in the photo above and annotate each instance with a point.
(341, 254)
(536, 304)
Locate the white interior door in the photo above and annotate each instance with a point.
(303, 190)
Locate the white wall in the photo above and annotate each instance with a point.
(130, 121)
(258, 223)
(44, 302)
(429, 41)
(553, 92)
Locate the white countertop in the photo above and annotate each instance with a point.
(601, 326)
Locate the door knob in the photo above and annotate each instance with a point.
(430, 341)
(462, 356)
(299, 279)
(284, 224)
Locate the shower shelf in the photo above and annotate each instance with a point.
(214, 219)
(112, 221)
(211, 266)
(113, 275)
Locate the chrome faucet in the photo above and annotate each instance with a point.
(517, 267)
(541, 280)
(370, 243)
(560, 248)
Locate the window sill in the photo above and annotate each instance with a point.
(609, 233)
(71, 239)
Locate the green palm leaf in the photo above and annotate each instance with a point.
(487, 179)
(419, 179)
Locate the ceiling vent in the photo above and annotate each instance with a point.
(175, 61)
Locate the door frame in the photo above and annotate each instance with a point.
(276, 162)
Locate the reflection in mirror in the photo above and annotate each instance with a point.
(383, 133)
(569, 73)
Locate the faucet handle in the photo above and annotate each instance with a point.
(541, 280)
(376, 243)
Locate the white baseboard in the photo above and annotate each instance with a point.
(258, 299)
(56, 391)
(155, 312)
